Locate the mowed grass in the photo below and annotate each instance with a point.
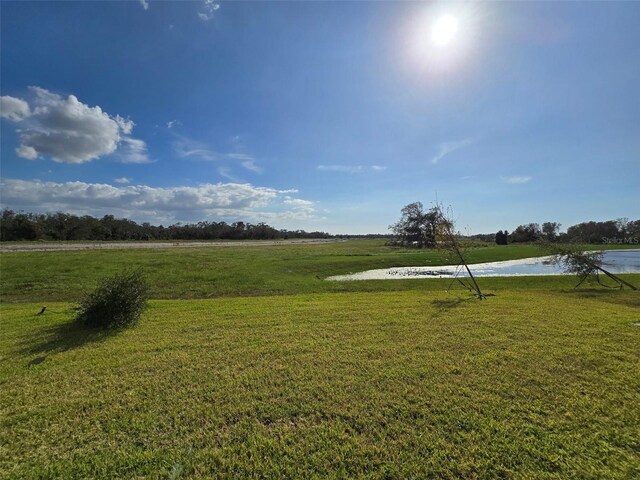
(241, 271)
(254, 367)
(411, 384)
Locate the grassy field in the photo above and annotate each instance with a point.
(281, 377)
(181, 273)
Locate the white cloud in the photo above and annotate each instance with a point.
(173, 123)
(125, 124)
(516, 180)
(350, 168)
(299, 204)
(145, 4)
(122, 180)
(146, 203)
(134, 151)
(14, 109)
(446, 148)
(208, 9)
(70, 131)
(26, 152)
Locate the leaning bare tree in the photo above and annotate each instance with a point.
(586, 265)
(446, 239)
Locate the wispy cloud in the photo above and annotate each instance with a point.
(446, 148)
(145, 4)
(516, 180)
(122, 180)
(351, 168)
(207, 10)
(133, 151)
(341, 168)
(298, 202)
(173, 123)
(246, 160)
(185, 147)
(225, 173)
(201, 153)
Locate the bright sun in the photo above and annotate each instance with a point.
(441, 38)
(444, 30)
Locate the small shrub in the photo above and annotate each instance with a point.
(117, 302)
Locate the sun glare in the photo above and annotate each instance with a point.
(442, 37)
(444, 30)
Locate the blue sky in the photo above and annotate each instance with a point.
(322, 115)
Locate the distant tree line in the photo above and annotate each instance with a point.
(417, 228)
(65, 226)
(622, 230)
(612, 231)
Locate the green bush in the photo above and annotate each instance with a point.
(117, 302)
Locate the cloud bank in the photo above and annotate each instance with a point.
(219, 201)
(68, 130)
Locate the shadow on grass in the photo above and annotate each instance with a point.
(615, 296)
(64, 337)
(450, 304)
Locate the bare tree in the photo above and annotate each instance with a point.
(446, 239)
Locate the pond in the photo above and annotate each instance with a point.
(615, 261)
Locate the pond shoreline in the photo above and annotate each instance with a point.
(537, 266)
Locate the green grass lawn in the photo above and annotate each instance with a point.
(528, 384)
(283, 375)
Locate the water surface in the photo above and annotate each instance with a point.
(615, 261)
